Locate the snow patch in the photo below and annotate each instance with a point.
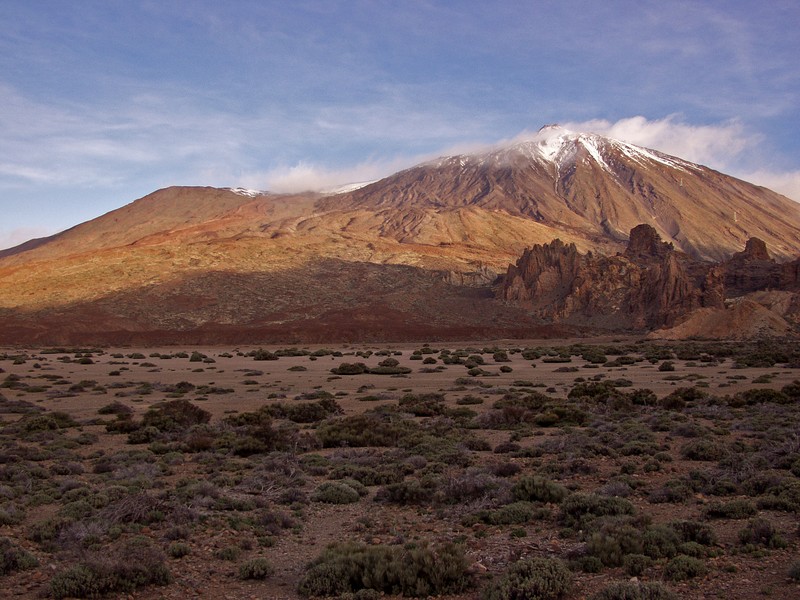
(592, 143)
(639, 154)
(348, 187)
(245, 192)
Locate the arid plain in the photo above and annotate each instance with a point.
(618, 461)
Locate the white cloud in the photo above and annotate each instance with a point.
(728, 147)
(786, 183)
(14, 237)
(724, 146)
(306, 176)
(718, 146)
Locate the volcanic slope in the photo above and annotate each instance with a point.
(458, 221)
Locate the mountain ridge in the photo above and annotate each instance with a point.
(461, 220)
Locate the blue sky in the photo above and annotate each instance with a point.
(102, 102)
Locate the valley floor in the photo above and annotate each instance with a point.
(211, 472)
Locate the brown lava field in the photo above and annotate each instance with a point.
(595, 469)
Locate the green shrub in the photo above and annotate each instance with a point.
(423, 405)
(368, 429)
(411, 570)
(13, 558)
(635, 590)
(334, 492)
(411, 491)
(703, 449)
(350, 369)
(539, 578)
(134, 565)
(514, 514)
(636, 564)
(692, 531)
(179, 549)
(760, 532)
(230, 553)
(256, 568)
(794, 571)
(175, 415)
(538, 489)
(735, 509)
(684, 567)
(579, 508)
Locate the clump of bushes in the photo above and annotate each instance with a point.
(336, 492)
(760, 532)
(703, 449)
(134, 565)
(579, 508)
(735, 509)
(13, 558)
(412, 570)
(684, 567)
(305, 412)
(367, 429)
(538, 489)
(256, 568)
(350, 369)
(175, 415)
(635, 590)
(540, 578)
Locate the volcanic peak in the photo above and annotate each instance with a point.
(561, 147)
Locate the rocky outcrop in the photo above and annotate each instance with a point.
(648, 286)
(645, 245)
(755, 270)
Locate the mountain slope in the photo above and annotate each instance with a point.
(593, 187)
(458, 220)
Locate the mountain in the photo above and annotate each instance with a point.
(409, 256)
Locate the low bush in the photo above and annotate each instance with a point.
(539, 578)
(334, 492)
(538, 489)
(735, 509)
(579, 508)
(134, 565)
(635, 590)
(256, 568)
(760, 532)
(350, 369)
(684, 567)
(703, 450)
(417, 570)
(13, 558)
(175, 415)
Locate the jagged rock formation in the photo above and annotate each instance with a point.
(754, 269)
(648, 286)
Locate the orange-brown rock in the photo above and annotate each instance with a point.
(754, 270)
(649, 285)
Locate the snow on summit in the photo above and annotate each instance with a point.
(556, 145)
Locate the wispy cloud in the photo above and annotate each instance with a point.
(786, 183)
(728, 147)
(13, 237)
(717, 145)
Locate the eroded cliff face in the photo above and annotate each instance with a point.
(650, 285)
(754, 270)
